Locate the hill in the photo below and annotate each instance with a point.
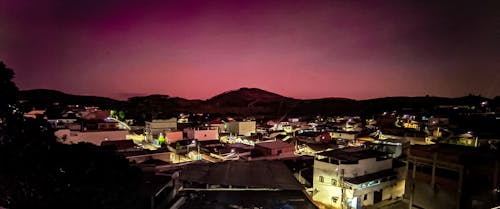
(245, 102)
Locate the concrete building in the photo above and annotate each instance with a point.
(156, 127)
(173, 136)
(202, 134)
(245, 128)
(352, 178)
(277, 147)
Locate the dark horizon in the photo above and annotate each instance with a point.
(146, 94)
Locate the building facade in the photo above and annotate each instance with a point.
(244, 128)
(156, 127)
(352, 178)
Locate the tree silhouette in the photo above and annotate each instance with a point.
(38, 172)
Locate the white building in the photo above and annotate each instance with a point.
(244, 128)
(156, 127)
(352, 178)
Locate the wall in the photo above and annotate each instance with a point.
(202, 135)
(173, 136)
(158, 126)
(245, 128)
(94, 137)
(340, 135)
(325, 190)
(366, 166)
(275, 151)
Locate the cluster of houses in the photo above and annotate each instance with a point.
(347, 161)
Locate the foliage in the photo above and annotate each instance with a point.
(38, 172)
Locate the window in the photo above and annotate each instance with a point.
(334, 182)
(365, 197)
(321, 179)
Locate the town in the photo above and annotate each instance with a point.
(249, 104)
(398, 158)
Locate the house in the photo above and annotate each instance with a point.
(156, 127)
(274, 148)
(173, 136)
(202, 134)
(244, 128)
(356, 177)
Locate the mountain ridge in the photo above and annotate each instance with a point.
(243, 101)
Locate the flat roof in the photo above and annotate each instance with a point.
(247, 199)
(278, 144)
(371, 176)
(352, 154)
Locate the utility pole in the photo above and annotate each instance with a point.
(341, 178)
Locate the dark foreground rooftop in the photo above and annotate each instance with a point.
(247, 199)
(253, 174)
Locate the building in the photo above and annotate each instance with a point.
(273, 148)
(94, 114)
(94, 136)
(353, 177)
(156, 127)
(173, 136)
(202, 134)
(241, 184)
(220, 125)
(244, 128)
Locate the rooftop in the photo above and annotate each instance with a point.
(371, 176)
(351, 154)
(254, 174)
(278, 144)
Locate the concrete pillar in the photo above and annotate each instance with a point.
(496, 174)
(412, 184)
(433, 177)
(459, 190)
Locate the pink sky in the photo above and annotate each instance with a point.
(301, 49)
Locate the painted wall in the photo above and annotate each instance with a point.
(202, 135)
(173, 136)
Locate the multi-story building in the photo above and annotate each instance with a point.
(353, 177)
(156, 127)
(244, 128)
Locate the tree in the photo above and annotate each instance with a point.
(8, 92)
(38, 172)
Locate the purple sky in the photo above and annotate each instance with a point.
(301, 49)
